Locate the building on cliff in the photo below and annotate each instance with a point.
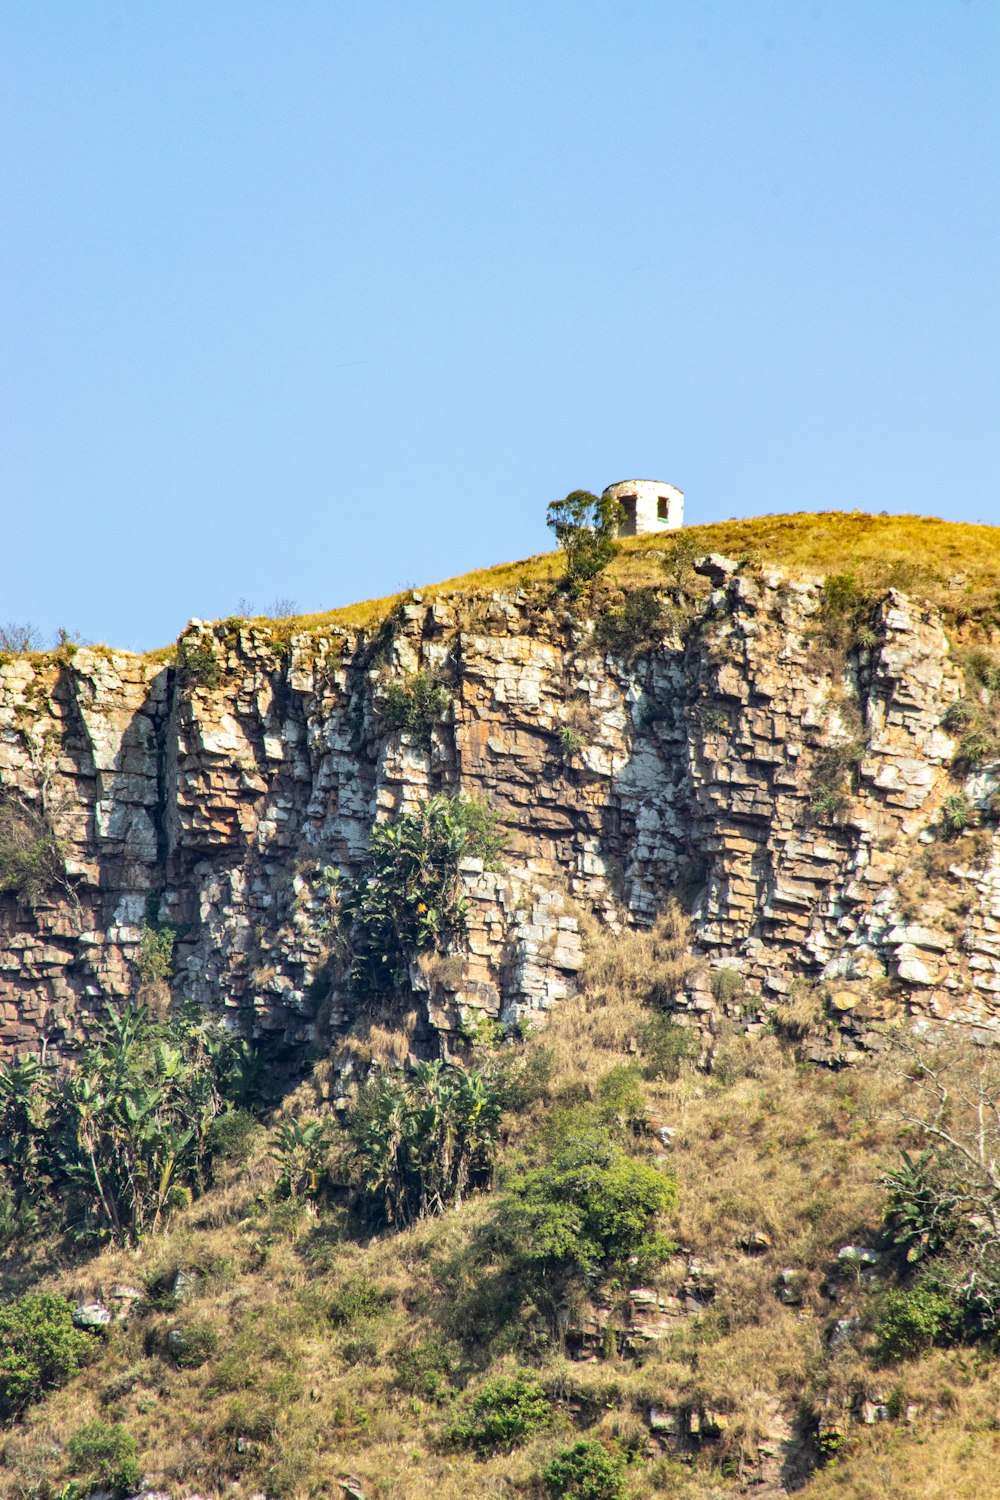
(648, 506)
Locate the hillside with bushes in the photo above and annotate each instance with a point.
(586, 1259)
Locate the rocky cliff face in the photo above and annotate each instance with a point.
(792, 792)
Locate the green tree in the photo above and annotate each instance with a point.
(587, 1471)
(39, 1349)
(585, 526)
(114, 1145)
(587, 1211)
(505, 1412)
(922, 1206)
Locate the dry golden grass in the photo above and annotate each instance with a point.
(951, 1455)
(927, 555)
(928, 892)
(918, 554)
(624, 976)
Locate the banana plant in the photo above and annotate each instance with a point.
(300, 1148)
(26, 1101)
(115, 1143)
(420, 1141)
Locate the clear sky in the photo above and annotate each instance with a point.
(322, 300)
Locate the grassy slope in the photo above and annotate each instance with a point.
(762, 1143)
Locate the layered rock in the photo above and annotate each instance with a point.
(786, 789)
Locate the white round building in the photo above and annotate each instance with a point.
(648, 506)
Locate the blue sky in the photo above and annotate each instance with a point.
(321, 300)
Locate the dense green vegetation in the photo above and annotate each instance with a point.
(587, 1471)
(103, 1455)
(502, 1414)
(584, 1213)
(40, 1349)
(419, 1143)
(111, 1149)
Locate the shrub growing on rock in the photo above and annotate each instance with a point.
(155, 955)
(415, 705)
(409, 900)
(846, 611)
(637, 625)
(31, 862)
(197, 660)
(18, 639)
(975, 718)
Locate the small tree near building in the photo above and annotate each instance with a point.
(585, 526)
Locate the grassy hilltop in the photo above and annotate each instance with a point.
(951, 564)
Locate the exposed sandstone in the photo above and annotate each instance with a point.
(698, 766)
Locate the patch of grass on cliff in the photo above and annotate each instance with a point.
(31, 861)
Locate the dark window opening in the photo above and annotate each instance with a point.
(627, 503)
(662, 508)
